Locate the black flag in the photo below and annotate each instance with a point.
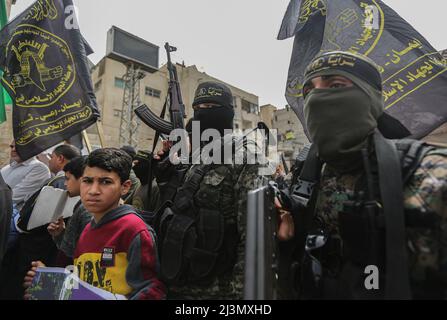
(44, 57)
(414, 74)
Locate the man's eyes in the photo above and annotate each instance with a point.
(104, 182)
(306, 90)
(332, 84)
(337, 85)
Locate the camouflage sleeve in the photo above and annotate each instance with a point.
(425, 198)
(427, 189)
(248, 179)
(133, 188)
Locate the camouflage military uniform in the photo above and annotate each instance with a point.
(140, 198)
(224, 188)
(425, 193)
(133, 188)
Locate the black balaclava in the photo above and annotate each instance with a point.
(340, 120)
(219, 117)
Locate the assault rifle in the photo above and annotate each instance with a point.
(261, 246)
(163, 127)
(176, 106)
(270, 266)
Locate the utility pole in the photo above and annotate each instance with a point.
(131, 99)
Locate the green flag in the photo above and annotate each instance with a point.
(4, 97)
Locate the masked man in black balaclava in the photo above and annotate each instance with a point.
(213, 107)
(201, 226)
(369, 214)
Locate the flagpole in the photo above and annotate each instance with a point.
(87, 141)
(3, 22)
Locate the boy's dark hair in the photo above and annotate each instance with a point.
(111, 160)
(130, 151)
(76, 166)
(67, 151)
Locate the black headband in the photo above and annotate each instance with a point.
(359, 66)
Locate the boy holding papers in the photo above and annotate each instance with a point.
(116, 251)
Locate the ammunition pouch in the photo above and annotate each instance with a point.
(192, 246)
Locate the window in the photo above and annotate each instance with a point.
(234, 102)
(98, 85)
(249, 107)
(119, 83)
(152, 92)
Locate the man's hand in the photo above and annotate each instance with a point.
(286, 228)
(28, 280)
(165, 149)
(279, 171)
(56, 228)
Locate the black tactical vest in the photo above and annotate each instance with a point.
(198, 232)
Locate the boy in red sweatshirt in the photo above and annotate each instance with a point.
(116, 251)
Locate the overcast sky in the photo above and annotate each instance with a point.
(232, 40)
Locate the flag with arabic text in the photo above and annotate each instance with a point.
(44, 59)
(414, 74)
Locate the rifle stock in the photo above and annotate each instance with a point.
(150, 119)
(176, 106)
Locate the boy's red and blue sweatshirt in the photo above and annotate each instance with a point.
(119, 254)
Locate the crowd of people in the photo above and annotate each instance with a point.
(147, 228)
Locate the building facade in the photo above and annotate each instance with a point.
(109, 89)
(290, 133)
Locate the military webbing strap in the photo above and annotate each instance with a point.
(413, 152)
(391, 192)
(308, 178)
(178, 243)
(185, 196)
(154, 145)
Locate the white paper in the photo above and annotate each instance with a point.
(51, 204)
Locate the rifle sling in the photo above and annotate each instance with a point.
(154, 145)
(391, 192)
